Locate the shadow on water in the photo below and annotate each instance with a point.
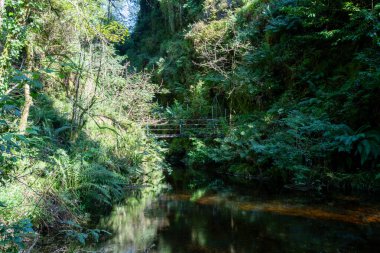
(233, 223)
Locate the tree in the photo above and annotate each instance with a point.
(1, 11)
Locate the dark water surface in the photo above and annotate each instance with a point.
(240, 224)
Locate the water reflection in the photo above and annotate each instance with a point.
(133, 230)
(174, 224)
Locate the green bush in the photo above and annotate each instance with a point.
(12, 236)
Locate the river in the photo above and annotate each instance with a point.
(237, 223)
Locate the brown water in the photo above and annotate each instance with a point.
(233, 223)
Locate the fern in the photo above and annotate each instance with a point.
(100, 185)
(366, 145)
(91, 182)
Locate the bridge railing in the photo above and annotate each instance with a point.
(174, 128)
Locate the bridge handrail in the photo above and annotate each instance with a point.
(172, 128)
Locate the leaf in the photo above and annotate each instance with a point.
(3, 122)
(71, 223)
(48, 71)
(106, 232)
(81, 237)
(33, 130)
(364, 149)
(21, 78)
(36, 84)
(61, 129)
(95, 234)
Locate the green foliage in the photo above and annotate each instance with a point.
(10, 147)
(198, 153)
(78, 234)
(198, 194)
(299, 78)
(12, 236)
(114, 32)
(365, 145)
(90, 182)
(299, 148)
(82, 150)
(18, 21)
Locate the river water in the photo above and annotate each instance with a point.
(235, 223)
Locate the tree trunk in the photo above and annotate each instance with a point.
(28, 98)
(109, 12)
(1, 47)
(180, 16)
(25, 112)
(171, 14)
(1, 11)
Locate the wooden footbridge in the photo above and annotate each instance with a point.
(185, 128)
